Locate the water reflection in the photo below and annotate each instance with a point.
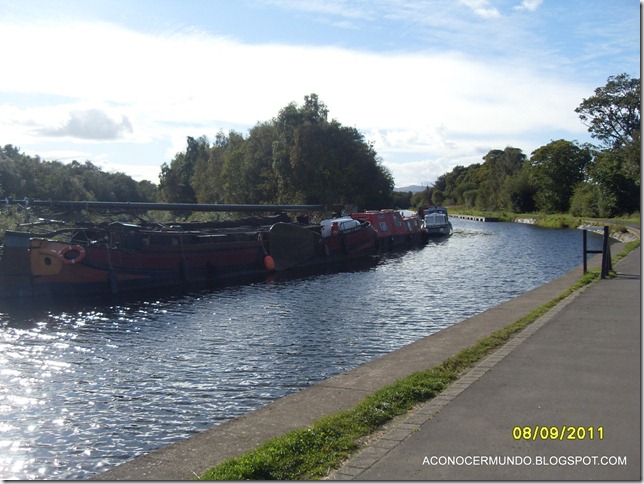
(85, 385)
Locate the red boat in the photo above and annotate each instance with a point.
(119, 257)
(394, 229)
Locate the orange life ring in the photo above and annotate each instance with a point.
(74, 260)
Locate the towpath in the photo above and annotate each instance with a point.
(561, 401)
(583, 370)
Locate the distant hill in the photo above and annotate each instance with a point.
(411, 188)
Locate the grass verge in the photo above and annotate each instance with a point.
(553, 221)
(312, 452)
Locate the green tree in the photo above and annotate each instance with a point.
(298, 150)
(499, 167)
(233, 176)
(149, 191)
(422, 199)
(207, 180)
(613, 113)
(298, 157)
(23, 176)
(556, 169)
(402, 200)
(176, 179)
(438, 198)
(321, 161)
(446, 185)
(518, 193)
(617, 193)
(453, 185)
(613, 117)
(261, 184)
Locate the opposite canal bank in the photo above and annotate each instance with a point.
(623, 232)
(188, 458)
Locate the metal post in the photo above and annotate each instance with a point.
(606, 259)
(610, 259)
(606, 263)
(585, 251)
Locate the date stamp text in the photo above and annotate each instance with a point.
(554, 432)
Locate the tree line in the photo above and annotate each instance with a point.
(302, 157)
(562, 176)
(24, 176)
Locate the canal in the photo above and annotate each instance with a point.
(87, 385)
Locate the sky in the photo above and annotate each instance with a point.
(431, 83)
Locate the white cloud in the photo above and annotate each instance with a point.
(482, 8)
(91, 124)
(162, 88)
(529, 5)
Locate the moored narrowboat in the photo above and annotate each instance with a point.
(115, 257)
(394, 228)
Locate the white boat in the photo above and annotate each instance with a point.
(436, 222)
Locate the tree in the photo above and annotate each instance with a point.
(23, 176)
(613, 113)
(298, 157)
(207, 180)
(148, 190)
(438, 197)
(402, 200)
(499, 167)
(319, 161)
(518, 193)
(259, 178)
(613, 117)
(299, 151)
(422, 199)
(176, 180)
(555, 170)
(617, 193)
(446, 186)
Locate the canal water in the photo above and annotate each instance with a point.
(87, 385)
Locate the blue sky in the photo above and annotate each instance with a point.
(433, 84)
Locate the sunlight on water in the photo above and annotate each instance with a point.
(85, 386)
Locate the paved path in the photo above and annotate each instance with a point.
(577, 368)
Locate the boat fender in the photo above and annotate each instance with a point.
(269, 263)
(71, 248)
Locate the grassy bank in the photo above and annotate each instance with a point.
(312, 452)
(557, 220)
